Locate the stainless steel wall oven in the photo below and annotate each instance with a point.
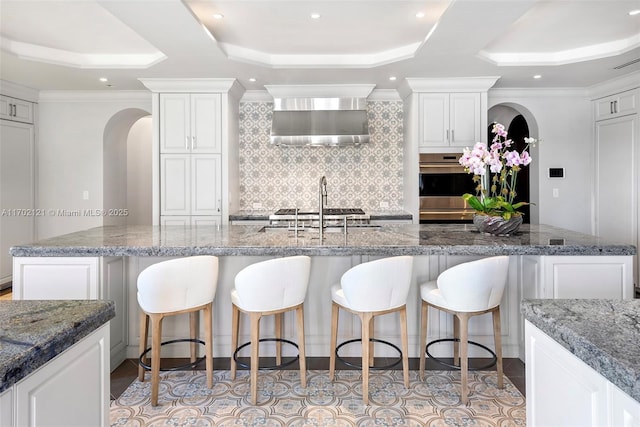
(443, 181)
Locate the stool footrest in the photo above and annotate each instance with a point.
(355, 365)
(271, 367)
(492, 363)
(175, 368)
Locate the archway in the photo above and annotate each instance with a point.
(520, 123)
(127, 168)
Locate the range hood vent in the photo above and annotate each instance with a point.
(320, 115)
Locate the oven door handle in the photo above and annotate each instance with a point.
(462, 212)
(444, 168)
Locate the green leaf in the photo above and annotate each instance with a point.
(473, 202)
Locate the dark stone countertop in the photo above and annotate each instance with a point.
(604, 334)
(34, 332)
(387, 240)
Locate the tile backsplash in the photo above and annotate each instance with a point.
(288, 177)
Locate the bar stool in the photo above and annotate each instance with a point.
(264, 288)
(466, 290)
(368, 290)
(168, 288)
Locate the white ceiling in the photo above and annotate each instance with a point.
(65, 45)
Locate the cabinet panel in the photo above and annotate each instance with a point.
(174, 123)
(465, 119)
(617, 105)
(175, 193)
(434, 119)
(55, 278)
(17, 190)
(70, 390)
(16, 109)
(206, 123)
(205, 185)
(6, 407)
(114, 288)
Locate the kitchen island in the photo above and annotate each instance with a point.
(585, 354)
(54, 367)
(104, 262)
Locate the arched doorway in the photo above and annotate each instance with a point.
(127, 173)
(520, 123)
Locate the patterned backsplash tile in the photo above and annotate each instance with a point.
(287, 177)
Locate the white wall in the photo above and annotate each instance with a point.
(139, 192)
(565, 128)
(70, 155)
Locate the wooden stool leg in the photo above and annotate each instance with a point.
(497, 336)
(405, 345)
(208, 336)
(335, 309)
(235, 330)
(144, 337)
(371, 346)
(456, 344)
(255, 354)
(365, 319)
(423, 338)
(301, 346)
(156, 339)
(193, 334)
(278, 335)
(464, 357)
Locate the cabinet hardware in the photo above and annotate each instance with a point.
(447, 135)
(218, 204)
(615, 106)
(611, 107)
(193, 142)
(186, 143)
(452, 136)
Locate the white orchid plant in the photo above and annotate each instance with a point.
(503, 165)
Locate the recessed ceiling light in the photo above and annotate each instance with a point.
(420, 15)
(104, 79)
(634, 12)
(537, 76)
(252, 80)
(218, 15)
(315, 15)
(392, 78)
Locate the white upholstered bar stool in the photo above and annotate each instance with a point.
(466, 290)
(270, 287)
(367, 290)
(168, 288)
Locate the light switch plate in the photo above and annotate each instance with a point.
(384, 205)
(257, 205)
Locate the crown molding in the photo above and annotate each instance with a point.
(528, 92)
(617, 85)
(204, 85)
(448, 84)
(94, 96)
(15, 90)
(321, 91)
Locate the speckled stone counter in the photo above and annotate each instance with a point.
(605, 334)
(381, 215)
(34, 332)
(247, 240)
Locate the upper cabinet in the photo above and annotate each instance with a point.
(16, 109)
(449, 119)
(618, 105)
(190, 123)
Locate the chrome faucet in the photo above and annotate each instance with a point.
(322, 200)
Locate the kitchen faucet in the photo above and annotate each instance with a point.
(322, 200)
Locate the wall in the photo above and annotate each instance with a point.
(70, 155)
(139, 173)
(287, 177)
(565, 130)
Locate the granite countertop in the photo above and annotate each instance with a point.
(605, 334)
(387, 240)
(262, 215)
(34, 332)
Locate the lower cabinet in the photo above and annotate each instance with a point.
(70, 390)
(78, 278)
(564, 391)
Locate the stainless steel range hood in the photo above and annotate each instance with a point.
(320, 116)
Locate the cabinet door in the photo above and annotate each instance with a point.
(175, 136)
(16, 109)
(6, 407)
(206, 188)
(115, 288)
(205, 123)
(16, 190)
(618, 105)
(434, 119)
(616, 191)
(175, 187)
(464, 119)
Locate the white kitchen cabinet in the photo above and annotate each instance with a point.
(450, 119)
(562, 390)
(190, 220)
(190, 123)
(15, 109)
(190, 185)
(79, 278)
(17, 190)
(620, 104)
(6, 407)
(70, 390)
